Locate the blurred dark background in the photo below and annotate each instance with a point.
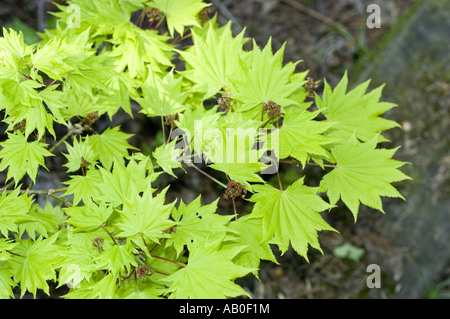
(410, 54)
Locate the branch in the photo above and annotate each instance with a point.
(49, 192)
(227, 13)
(317, 15)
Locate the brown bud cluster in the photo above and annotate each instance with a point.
(97, 242)
(20, 126)
(272, 109)
(143, 271)
(170, 120)
(153, 14)
(225, 102)
(310, 86)
(234, 189)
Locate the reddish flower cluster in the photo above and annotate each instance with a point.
(272, 109)
(97, 242)
(310, 86)
(225, 102)
(234, 189)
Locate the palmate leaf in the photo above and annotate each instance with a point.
(362, 174)
(210, 273)
(35, 266)
(13, 211)
(195, 222)
(355, 111)
(84, 187)
(6, 284)
(88, 217)
(104, 288)
(44, 221)
(214, 59)
(77, 152)
(264, 79)
(22, 157)
(145, 219)
(166, 157)
(250, 235)
(301, 136)
(290, 216)
(180, 13)
(162, 96)
(117, 258)
(111, 146)
(231, 152)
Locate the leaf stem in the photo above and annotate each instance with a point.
(163, 130)
(234, 208)
(109, 233)
(160, 21)
(169, 260)
(206, 174)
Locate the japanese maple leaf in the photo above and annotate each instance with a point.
(301, 136)
(362, 174)
(196, 222)
(180, 13)
(355, 110)
(36, 264)
(214, 59)
(290, 216)
(22, 157)
(210, 273)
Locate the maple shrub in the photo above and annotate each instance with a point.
(233, 112)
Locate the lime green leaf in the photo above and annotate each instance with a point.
(166, 157)
(76, 264)
(145, 219)
(291, 216)
(22, 157)
(210, 273)
(84, 188)
(79, 151)
(302, 136)
(180, 13)
(264, 79)
(362, 174)
(250, 234)
(119, 186)
(88, 217)
(13, 211)
(111, 146)
(19, 92)
(118, 258)
(13, 42)
(214, 59)
(195, 222)
(105, 288)
(162, 96)
(36, 266)
(355, 111)
(45, 221)
(5, 245)
(6, 284)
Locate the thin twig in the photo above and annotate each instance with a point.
(206, 174)
(317, 15)
(227, 14)
(40, 191)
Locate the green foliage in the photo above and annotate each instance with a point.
(114, 232)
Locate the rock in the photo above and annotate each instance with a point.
(414, 66)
